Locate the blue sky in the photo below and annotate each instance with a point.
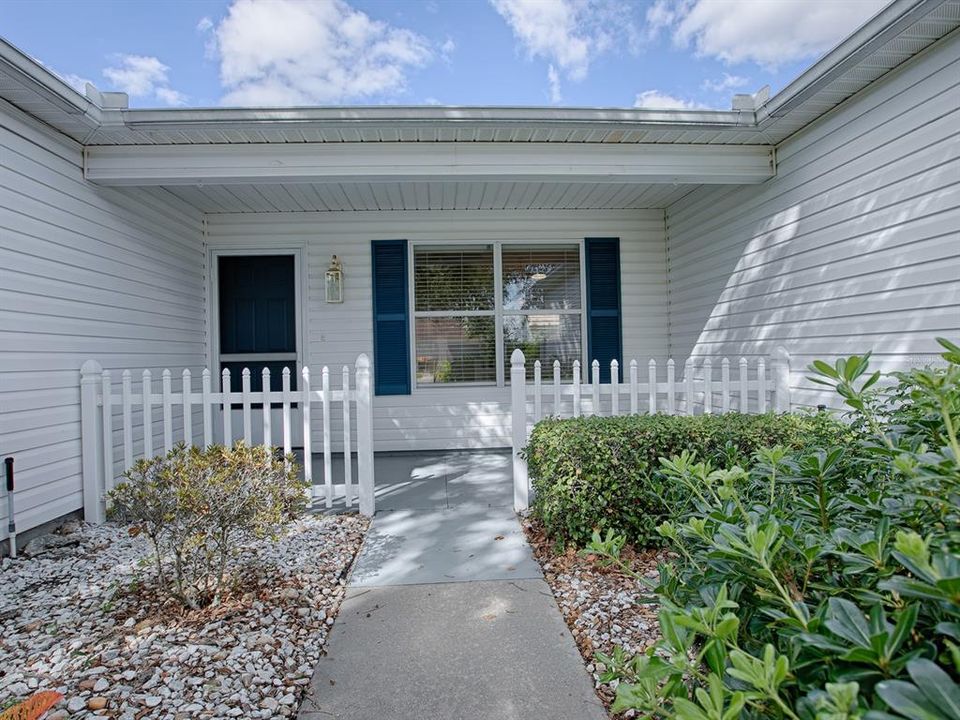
(620, 53)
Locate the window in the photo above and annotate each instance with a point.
(454, 310)
(469, 318)
(257, 318)
(541, 306)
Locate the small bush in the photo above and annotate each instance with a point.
(197, 506)
(598, 473)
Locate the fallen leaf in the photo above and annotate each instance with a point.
(33, 707)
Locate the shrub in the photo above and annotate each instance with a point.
(197, 506)
(599, 473)
(820, 585)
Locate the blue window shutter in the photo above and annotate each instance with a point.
(604, 332)
(391, 318)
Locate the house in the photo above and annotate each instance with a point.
(825, 219)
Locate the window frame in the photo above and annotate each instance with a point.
(216, 358)
(498, 312)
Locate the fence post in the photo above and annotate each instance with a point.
(782, 379)
(518, 411)
(365, 479)
(91, 377)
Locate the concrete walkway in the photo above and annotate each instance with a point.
(447, 615)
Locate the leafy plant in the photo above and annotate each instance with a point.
(818, 580)
(197, 507)
(931, 694)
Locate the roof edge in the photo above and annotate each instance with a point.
(879, 30)
(46, 83)
(868, 38)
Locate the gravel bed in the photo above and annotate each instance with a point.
(82, 619)
(603, 608)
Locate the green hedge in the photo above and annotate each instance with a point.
(595, 473)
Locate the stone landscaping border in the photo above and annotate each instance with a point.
(82, 618)
(603, 608)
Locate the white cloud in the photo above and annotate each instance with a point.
(768, 32)
(568, 34)
(553, 77)
(656, 100)
(143, 76)
(296, 52)
(137, 74)
(550, 30)
(447, 49)
(204, 24)
(727, 82)
(169, 96)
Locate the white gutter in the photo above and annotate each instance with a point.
(534, 118)
(868, 39)
(34, 76)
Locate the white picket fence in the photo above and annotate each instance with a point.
(745, 387)
(187, 416)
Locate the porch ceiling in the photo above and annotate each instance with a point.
(334, 197)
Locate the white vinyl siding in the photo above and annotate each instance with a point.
(85, 272)
(447, 417)
(854, 246)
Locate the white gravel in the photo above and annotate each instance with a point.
(603, 608)
(82, 619)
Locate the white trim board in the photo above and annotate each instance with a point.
(445, 161)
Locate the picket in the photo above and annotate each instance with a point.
(325, 411)
(127, 419)
(595, 390)
(167, 412)
(247, 412)
(725, 385)
(762, 386)
(207, 408)
(225, 409)
(614, 387)
(744, 388)
(287, 429)
(186, 384)
(266, 414)
(148, 414)
(671, 388)
(347, 460)
(537, 398)
(99, 401)
(771, 391)
(556, 387)
(707, 386)
(107, 433)
(652, 386)
(307, 442)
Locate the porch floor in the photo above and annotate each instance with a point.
(447, 615)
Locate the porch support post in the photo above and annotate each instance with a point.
(365, 479)
(518, 412)
(781, 360)
(91, 377)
